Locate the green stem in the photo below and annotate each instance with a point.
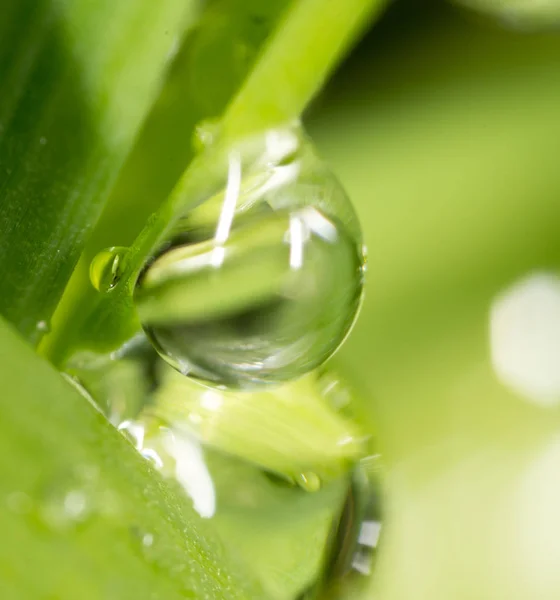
(296, 62)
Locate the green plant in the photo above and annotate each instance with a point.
(82, 84)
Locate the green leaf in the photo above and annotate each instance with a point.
(83, 512)
(78, 78)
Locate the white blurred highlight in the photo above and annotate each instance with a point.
(525, 337)
(191, 472)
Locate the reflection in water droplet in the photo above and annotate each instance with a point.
(262, 282)
(147, 540)
(525, 337)
(105, 268)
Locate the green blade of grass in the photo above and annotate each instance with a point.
(83, 512)
(78, 78)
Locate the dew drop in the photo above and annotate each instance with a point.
(262, 282)
(152, 456)
(310, 482)
(105, 268)
(205, 134)
(43, 326)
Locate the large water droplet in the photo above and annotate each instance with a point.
(262, 282)
(105, 268)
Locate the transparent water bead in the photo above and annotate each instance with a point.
(105, 268)
(262, 282)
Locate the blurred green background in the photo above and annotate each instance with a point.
(444, 127)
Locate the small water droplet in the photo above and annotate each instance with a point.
(205, 134)
(105, 269)
(43, 326)
(147, 540)
(42, 141)
(134, 432)
(262, 282)
(152, 456)
(309, 481)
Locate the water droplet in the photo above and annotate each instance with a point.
(152, 456)
(43, 326)
(134, 432)
(42, 141)
(147, 539)
(105, 268)
(262, 282)
(310, 482)
(205, 134)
